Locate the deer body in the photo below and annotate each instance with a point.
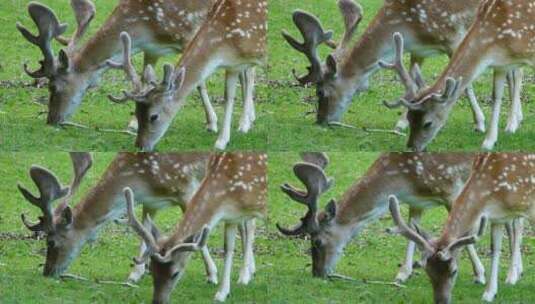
(234, 191)
(160, 180)
(233, 38)
(421, 180)
(500, 188)
(502, 38)
(157, 28)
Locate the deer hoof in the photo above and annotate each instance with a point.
(489, 296)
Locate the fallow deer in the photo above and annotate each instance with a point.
(159, 180)
(501, 187)
(234, 191)
(421, 180)
(430, 28)
(157, 28)
(233, 38)
(502, 37)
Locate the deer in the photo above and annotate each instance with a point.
(157, 28)
(430, 28)
(421, 180)
(501, 38)
(500, 188)
(160, 181)
(232, 38)
(234, 192)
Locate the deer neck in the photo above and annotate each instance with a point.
(158, 183)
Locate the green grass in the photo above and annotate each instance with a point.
(373, 255)
(284, 272)
(289, 101)
(109, 258)
(22, 128)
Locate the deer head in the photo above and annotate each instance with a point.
(334, 92)
(167, 264)
(65, 84)
(440, 258)
(426, 112)
(57, 224)
(318, 225)
(151, 97)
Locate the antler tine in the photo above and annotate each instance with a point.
(405, 230)
(313, 35)
(316, 183)
(410, 85)
(352, 13)
(317, 158)
(49, 27)
(85, 11)
(135, 224)
(50, 190)
(81, 163)
(194, 243)
(127, 66)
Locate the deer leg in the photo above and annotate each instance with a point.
(405, 270)
(247, 230)
(209, 264)
(139, 269)
(224, 135)
(492, 134)
(496, 240)
(211, 116)
(248, 115)
(515, 80)
(477, 265)
(479, 117)
(515, 230)
(230, 242)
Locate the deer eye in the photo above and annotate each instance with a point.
(318, 243)
(321, 93)
(175, 275)
(154, 117)
(428, 125)
(51, 244)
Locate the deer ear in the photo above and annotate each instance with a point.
(331, 66)
(330, 209)
(149, 75)
(180, 75)
(64, 61)
(66, 217)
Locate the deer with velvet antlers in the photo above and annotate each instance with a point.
(423, 181)
(430, 28)
(501, 187)
(232, 38)
(159, 181)
(502, 37)
(234, 191)
(157, 28)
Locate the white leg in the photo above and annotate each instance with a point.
(224, 135)
(230, 242)
(479, 117)
(492, 134)
(515, 242)
(139, 269)
(477, 265)
(248, 115)
(492, 286)
(405, 270)
(248, 267)
(211, 116)
(209, 264)
(515, 79)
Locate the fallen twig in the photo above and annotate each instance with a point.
(346, 278)
(341, 125)
(387, 131)
(97, 281)
(127, 132)
(73, 124)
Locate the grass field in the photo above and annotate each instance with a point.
(23, 128)
(290, 102)
(284, 274)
